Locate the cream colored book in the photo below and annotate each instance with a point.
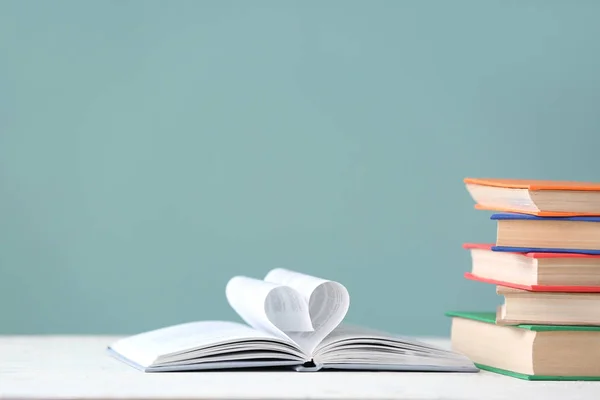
(526, 351)
(528, 233)
(547, 308)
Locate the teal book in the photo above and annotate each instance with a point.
(530, 352)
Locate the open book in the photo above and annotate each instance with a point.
(293, 320)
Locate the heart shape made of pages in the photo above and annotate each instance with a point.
(290, 304)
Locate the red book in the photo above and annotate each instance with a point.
(538, 272)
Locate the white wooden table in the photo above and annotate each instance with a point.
(76, 367)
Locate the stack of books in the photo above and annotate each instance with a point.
(545, 264)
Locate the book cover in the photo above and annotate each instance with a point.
(534, 184)
(526, 377)
(533, 254)
(537, 213)
(517, 216)
(535, 288)
(490, 318)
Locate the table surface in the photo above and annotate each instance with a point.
(77, 367)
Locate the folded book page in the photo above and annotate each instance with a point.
(327, 301)
(145, 348)
(269, 307)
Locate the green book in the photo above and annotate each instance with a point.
(583, 351)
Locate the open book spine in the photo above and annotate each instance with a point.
(308, 367)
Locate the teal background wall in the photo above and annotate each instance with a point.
(149, 150)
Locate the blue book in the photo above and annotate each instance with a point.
(524, 233)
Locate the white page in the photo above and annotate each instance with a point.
(145, 348)
(369, 335)
(361, 334)
(328, 303)
(345, 340)
(239, 356)
(281, 349)
(268, 306)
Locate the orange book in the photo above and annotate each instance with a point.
(543, 198)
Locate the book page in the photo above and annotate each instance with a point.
(145, 348)
(269, 307)
(345, 332)
(328, 303)
(348, 343)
